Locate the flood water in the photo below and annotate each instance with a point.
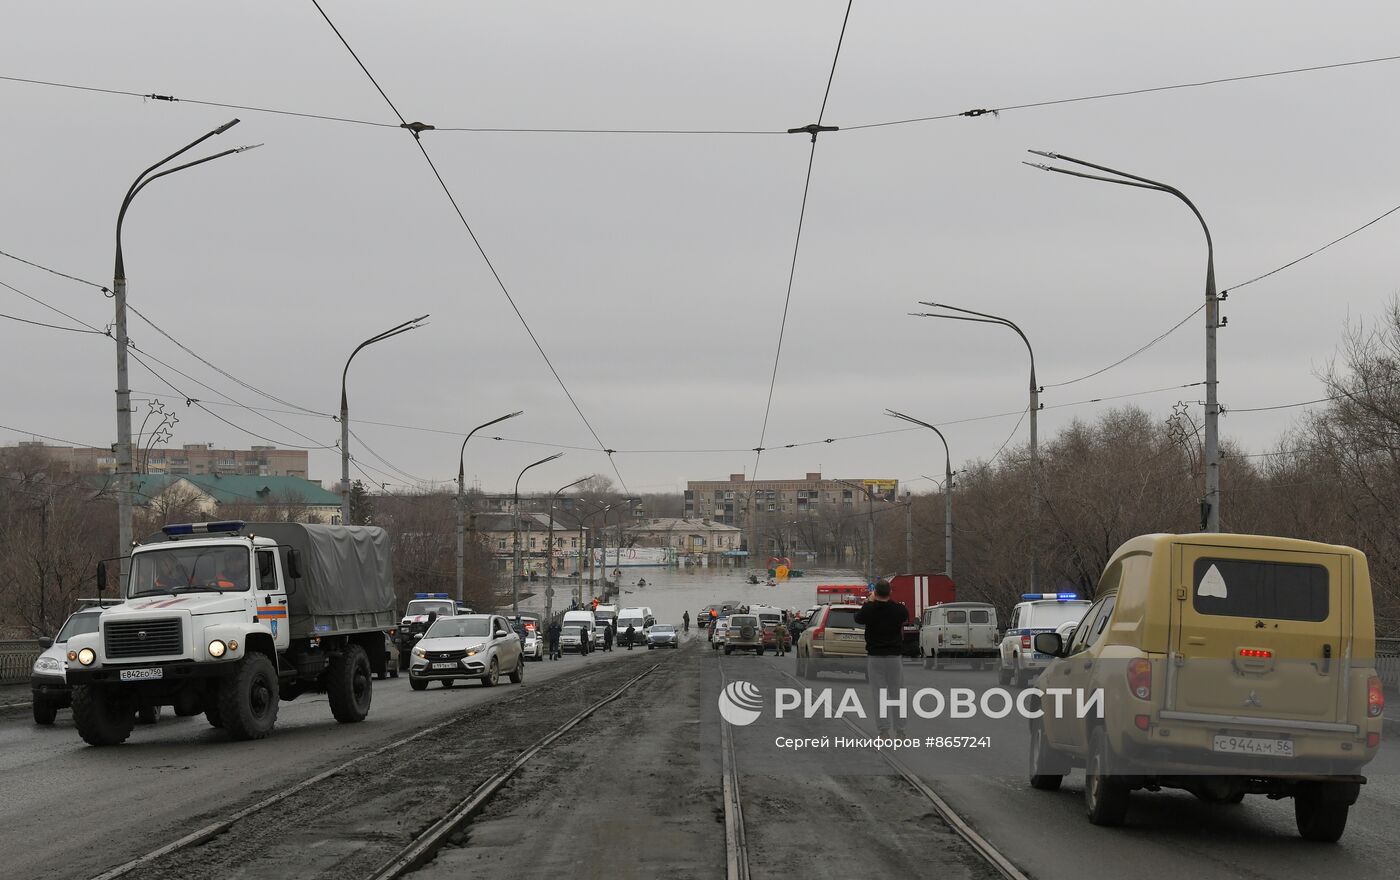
(671, 591)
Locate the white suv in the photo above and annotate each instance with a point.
(1041, 612)
(480, 646)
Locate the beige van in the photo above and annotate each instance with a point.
(1228, 665)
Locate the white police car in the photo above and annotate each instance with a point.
(1040, 612)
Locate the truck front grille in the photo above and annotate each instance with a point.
(143, 638)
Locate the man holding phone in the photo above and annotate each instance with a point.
(884, 619)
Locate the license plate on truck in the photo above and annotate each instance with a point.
(444, 665)
(1254, 745)
(155, 674)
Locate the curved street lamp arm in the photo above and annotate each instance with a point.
(947, 455)
(392, 331)
(533, 464)
(461, 457)
(1144, 183)
(983, 319)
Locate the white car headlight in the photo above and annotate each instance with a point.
(420, 653)
(46, 664)
(86, 656)
(217, 648)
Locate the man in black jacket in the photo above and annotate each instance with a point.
(554, 632)
(884, 619)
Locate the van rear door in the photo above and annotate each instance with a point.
(1259, 634)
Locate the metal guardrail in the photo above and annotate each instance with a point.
(1388, 662)
(16, 660)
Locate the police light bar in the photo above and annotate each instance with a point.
(228, 525)
(430, 595)
(1057, 597)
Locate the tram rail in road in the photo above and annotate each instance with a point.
(423, 847)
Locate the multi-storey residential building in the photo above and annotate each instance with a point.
(192, 459)
(783, 517)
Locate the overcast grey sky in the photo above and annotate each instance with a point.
(653, 268)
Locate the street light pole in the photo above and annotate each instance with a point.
(345, 411)
(1212, 499)
(123, 450)
(947, 490)
(549, 558)
(984, 318)
(462, 500)
(515, 534)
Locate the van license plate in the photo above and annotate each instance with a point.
(1252, 745)
(444, 665)
(155, 674)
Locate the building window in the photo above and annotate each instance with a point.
(501, 544)
(532, 543)
(573, 542)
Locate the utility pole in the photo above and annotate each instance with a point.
(123, 470)
(1211, 503)
(908, 532)
(462, 499)
(984, 318)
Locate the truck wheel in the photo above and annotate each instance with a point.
(1047, 768)
(148, 714)
(518, 675)
(417, 684)
(1105, 796)
(44, 712)
(103, 718)
(493, 674)
(1320, 818)
(349, 685)
(248, 699)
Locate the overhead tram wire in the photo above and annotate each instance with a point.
(172, 99)
(1228, 289)
(1121, 94)
(191, 352)
(416, 129)
(50, 326)
(814, 130)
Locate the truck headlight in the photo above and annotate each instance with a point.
(86, 656)
(48, 663)
(217, 648)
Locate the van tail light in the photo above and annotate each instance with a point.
(1025, 643)
(1140, 678)
(1256, 653)
(1375, 697)
(1373, 740)
(1142, 722)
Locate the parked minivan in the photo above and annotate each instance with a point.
(1229, 665)
(959, 631)
(640, 619)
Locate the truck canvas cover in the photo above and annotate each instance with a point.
(347, 577)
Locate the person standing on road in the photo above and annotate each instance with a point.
(631, 635)
(884, 619)
(780, 635)
(607, 636)
(554, 631)
(685, 620)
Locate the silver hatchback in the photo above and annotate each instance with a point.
(480, 646)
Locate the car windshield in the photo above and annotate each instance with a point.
(457, 628)
(79, 624)
(573, 631)
(663, 629)
(189, 569)
(1050, 616)
(630, 621)
(419, 608)
(743, 621)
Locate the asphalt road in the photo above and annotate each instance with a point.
(1048, 836)
(70, 810)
